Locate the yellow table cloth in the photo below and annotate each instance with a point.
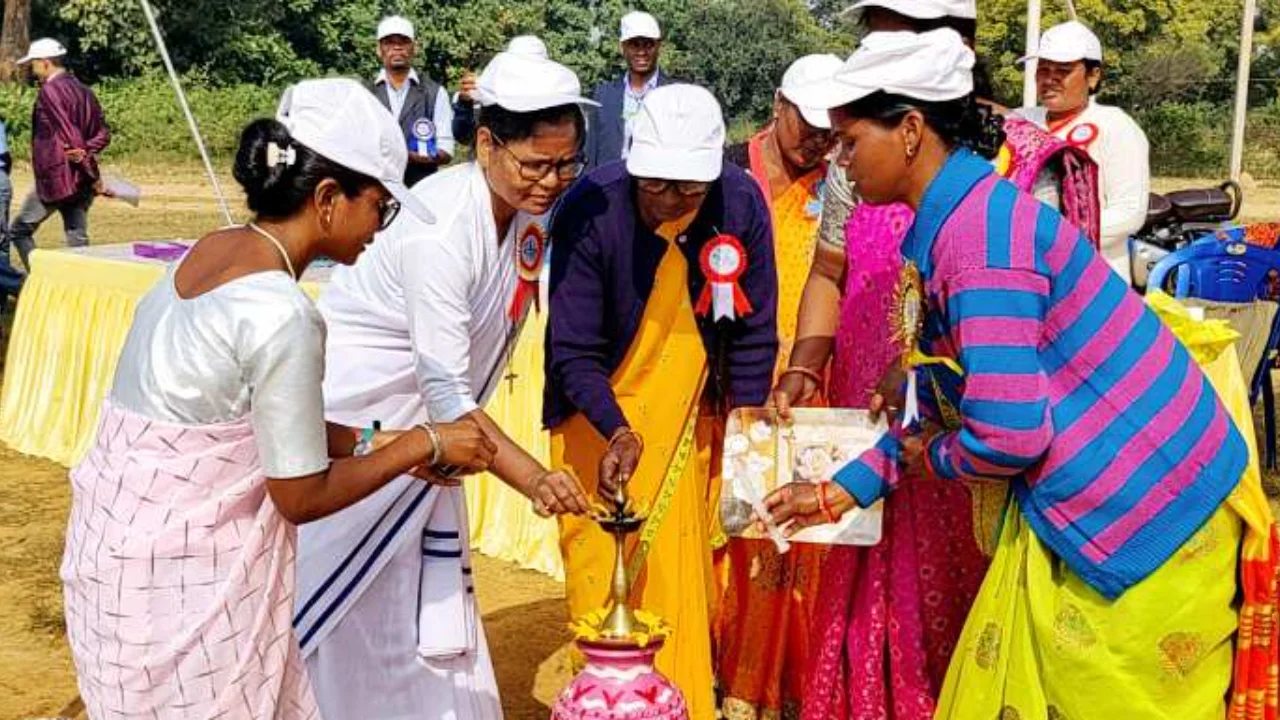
(74, 313)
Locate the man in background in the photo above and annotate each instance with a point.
(419, 104)
(10, 279)
(68, 134)
(608, 133)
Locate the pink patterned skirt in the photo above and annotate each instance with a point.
(179, 577)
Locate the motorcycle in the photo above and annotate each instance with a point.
(1175, 220)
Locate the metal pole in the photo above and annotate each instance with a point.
(1033, 43)
(186, 109)
(1071, 11)
(1242, 88)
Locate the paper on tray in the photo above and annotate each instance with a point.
(762, 454)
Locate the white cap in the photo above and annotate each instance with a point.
(341, 120)
(934, 66)
(678, 134)
(636, 24)
(525, 83)
(43, 49)
(528, 45)
(395, 25)
(1068, 42)
(925, 9)
(805, 71)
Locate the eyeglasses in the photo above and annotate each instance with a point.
(388, 209)
(535, 170)
(811, 138)
(687, 188)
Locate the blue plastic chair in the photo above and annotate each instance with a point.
(1222, 267)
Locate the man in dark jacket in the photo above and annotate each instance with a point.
(421, 105)
(67, 135)
(620, 98)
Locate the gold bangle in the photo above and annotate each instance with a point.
(804, 372)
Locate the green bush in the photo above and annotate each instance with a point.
(1188, 139)
(1194, 139)
(145, 119)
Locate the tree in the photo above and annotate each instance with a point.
(14, 38)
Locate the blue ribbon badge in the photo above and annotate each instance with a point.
(423, 140)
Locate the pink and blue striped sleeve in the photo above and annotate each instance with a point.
(873, 473)
(996, 320)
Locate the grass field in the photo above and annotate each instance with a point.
(524, 612)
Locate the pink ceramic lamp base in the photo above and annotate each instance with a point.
(620, 683)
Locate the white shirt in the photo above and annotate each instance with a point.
(441, 117)
(1119, 147)
(419, 326)
(632, 99)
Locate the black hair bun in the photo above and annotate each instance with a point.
(253, 170)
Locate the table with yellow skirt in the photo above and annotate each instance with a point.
(72, 318)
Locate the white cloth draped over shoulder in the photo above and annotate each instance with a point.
(418, 328)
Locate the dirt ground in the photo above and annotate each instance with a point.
(524, 611)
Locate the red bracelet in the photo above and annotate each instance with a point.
(825, 506)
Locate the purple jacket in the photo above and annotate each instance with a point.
(66, 117)
(603, 264)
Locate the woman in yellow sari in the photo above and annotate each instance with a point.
(663, 297)
(762, 622)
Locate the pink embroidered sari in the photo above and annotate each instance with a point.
(179, 577)
(888, 617)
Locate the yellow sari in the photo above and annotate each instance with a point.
(1040, 643)
(658, 386)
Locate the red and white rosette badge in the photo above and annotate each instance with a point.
(723, 261)
(531, 251)
(1082, 135)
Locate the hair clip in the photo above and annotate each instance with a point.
(277, 155)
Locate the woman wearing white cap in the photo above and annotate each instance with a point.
(1068, 75)
(663, 305)
(179, 562)
(844, 321)
(1105, 597)
(421, 327)
(788, 160)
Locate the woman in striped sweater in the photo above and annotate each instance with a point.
(1111, 592)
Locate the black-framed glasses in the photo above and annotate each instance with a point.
(535, 170)
(687, 188)
(388, 209)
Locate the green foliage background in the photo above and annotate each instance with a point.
(1170, 62)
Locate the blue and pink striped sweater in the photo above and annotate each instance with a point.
(1115, 443)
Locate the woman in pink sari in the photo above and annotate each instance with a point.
(179, 565)
(888, 617)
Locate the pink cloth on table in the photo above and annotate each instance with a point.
(179, 577)
(888, 616)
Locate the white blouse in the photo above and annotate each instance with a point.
(252, 345)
